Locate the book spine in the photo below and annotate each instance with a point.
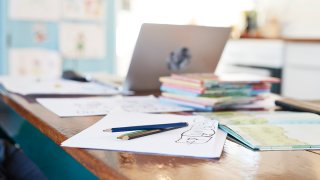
(183, 88)
(179, 82)
(186, 78)
(177, 91)
(186, 104)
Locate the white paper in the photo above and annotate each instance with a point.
(148, 104)
(27, 86)
(199, 139)
(82, 41)
(77, 106)
(35, 9)
(90, 106)
(83, 9)
(35, 62)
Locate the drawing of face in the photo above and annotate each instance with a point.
(179, 59)
(193, 140)
(199, 133)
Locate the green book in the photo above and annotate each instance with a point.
(276, 130)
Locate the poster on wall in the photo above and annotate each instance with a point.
(83, 9)
(33, 34)
(82, 41)
(34, 62)
(46, 10)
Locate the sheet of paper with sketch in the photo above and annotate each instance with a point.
(91, 106)
(200, 139)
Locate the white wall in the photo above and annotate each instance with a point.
(297, 18)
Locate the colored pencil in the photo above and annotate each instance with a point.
(142, 133)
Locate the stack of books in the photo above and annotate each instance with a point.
(208, 92)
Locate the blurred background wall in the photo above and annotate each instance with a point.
(269, 37)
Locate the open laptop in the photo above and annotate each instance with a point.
(163, 49)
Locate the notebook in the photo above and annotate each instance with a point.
(277, 130)
(163, 49)
(290, 104)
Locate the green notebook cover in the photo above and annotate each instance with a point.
(277, 130)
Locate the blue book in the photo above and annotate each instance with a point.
(186, 104)
(210, 92)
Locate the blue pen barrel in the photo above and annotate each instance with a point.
(148, 127)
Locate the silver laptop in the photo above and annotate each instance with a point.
(164, 49)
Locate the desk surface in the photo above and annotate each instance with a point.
(236, 161)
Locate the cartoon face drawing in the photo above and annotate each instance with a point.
(193, 140)
(199, 133)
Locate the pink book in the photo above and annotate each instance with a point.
(198, 90)
(210, 78)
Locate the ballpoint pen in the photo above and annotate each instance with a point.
(146, 127)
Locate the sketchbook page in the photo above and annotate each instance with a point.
(149, 104)
(90, 106)
(199, 139)
(27, 86)
(44, 10)
(35, 62)
(93, 10)
(85, 41)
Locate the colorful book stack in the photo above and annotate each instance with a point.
(208, 92)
